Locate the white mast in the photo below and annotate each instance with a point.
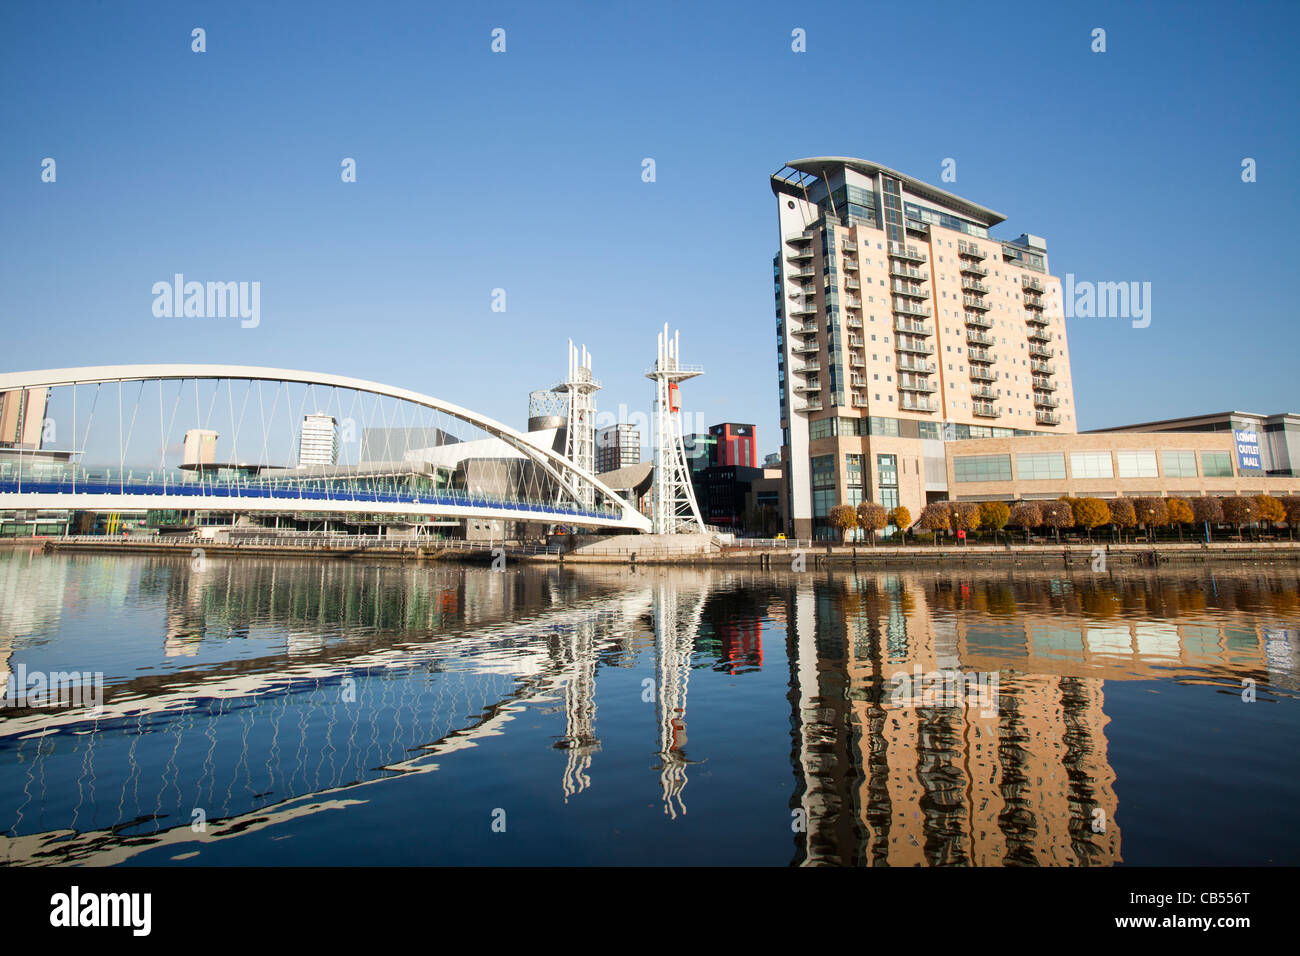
(674, 507)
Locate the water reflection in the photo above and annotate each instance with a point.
(250, 695)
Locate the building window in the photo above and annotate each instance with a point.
(1136, 464)
(1039, 467)
(1178, 464)
(1091, 464)
(982, 468)
(1216, 464)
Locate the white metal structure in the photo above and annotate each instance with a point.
(121, 420)
(580, 436)
(674, 507)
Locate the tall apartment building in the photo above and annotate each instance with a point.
(318, 443)
(902, 324)
(22, 417)
(617, 446)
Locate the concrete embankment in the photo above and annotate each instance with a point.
(643, 551)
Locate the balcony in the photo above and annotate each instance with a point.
(849, 248)
(805, 307)
(1041, 351)
(1036, 318)
(975, 302)
(807, 348)
(909, 288)
(853, 322)
(1047, 418)
(982, 391)
(856, 361)
(970, 250)
(808, 328)
(855, 342)
(973, 267)
(1030, 284)
(901, 250)
(979, 338)
(811, 388)
(917, 385)
(852, 284)
(908, 272)
(1044, 400)
(919, 348)
(852, 302)
(850, 265)
(979, 319)
(974, 285)
(908, 364)
(1039, 334)
(985, 410)
(812, 368)
(980, 355)
(908, 307)
(1034, 301)
(913, 328)
(812, 405)
(981, 373)
(858, 382)
(859, 401)
(1042, 368)
(1046, 384)
(803, 274)
(909, 404)
(796, 255)
(799, 240)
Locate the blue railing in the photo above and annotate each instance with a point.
(443, 497)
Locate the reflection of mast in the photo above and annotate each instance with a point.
(580, 708)
(673, 649)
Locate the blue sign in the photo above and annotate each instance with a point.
(1247, 441)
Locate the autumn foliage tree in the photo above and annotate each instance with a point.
(1090, 513)
(994, 515)
(901, 519)
(934, 517)
(1026, 515)
(872, 517)
(1208, 512)
(1292, 508)
(1122, 514)
(1269, 509)
(1180, 513)
(964, 516)
(843, 518)
(1151, 513)
(1238, 511)
(1057, 515)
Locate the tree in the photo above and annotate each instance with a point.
(1090, 513)
(1180, 513)
(1151, 513)
(1292, 508)
(843, 518)
(1208, 512)
(872, 517)
(1122, 515)
(994, 515)
(1238, 511)
(901, 519)
(1269, 509)
(964, 516)
(1025, 514)
(1057, 515)
(934, 517)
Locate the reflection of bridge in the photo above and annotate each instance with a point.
(247, 440)
(258, 742)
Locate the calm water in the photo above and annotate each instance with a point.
(291, 712)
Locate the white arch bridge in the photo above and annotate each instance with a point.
(232, 438)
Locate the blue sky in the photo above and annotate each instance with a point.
(522, 171)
